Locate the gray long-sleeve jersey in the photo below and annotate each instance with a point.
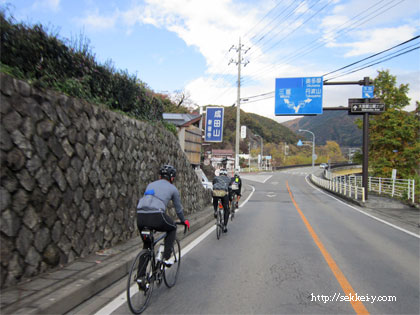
(157, 196)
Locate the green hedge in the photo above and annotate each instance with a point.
(31, 54)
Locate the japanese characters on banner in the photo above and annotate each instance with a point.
(214, 124)
(298, 96)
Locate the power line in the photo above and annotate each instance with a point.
(341, 29)
(254, 27)
(388, 57)
(414, 38)
(283, 22)
(373, 64)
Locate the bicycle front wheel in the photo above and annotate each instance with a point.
(170, 274)
(139, 294)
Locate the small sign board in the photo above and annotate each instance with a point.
(214, 124)
(367, 91)
(298, 96)
(243, 132)
(359, 106)
(394, 173)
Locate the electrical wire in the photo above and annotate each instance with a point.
(373, 64)
(388, 57)
(410, 40)
(344, 29)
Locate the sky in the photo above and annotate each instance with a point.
(192, 45)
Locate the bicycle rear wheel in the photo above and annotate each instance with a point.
(170, 275)
(138, 296)
(233, 207)
(218, 224)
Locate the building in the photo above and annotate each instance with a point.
(189, 134)
(218, 156)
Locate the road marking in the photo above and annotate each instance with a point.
(361, 211)
(341, 278)
(122, 298)
(257, 178)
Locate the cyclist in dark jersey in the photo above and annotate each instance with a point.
(151, 209)
(235, 187)
(221, 191)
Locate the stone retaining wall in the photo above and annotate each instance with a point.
(71, 175)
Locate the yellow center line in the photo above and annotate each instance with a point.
(342, 280)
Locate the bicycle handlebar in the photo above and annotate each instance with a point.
(185, 226)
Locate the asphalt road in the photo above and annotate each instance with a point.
(289, 250)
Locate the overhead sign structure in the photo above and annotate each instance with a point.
(367, 91)
(298, 96)
(359, 106)
(214, 124)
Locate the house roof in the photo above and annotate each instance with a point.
(181, 120)
(221, 152)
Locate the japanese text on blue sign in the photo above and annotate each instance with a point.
(298, 96)
(214, 124)
(367, 91)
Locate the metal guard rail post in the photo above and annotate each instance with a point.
(402, 188)
(340, 187)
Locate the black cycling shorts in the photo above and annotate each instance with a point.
(238, 192)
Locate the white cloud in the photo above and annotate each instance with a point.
(97, 22)
(53, 5)
(212, 27)
(379, 39)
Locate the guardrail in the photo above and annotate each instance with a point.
(340, 187)
(403, 188)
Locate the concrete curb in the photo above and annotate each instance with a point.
(60, 291)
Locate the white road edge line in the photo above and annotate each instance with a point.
(256, 180)
(361, 211)
(122, 298)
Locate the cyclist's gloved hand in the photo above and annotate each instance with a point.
(187, 223)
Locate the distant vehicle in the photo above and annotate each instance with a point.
(323, 165)
(204, 180)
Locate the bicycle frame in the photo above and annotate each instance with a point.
(156, 273)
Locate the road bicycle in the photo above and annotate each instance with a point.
(234, 205)
(150, 264)
(220, 221)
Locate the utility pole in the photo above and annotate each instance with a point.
(238, 99)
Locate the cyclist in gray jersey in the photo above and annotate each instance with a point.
(151, 209)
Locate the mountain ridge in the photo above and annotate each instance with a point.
(336, 126)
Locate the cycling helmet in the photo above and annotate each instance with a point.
(223, 171)
(167, 172)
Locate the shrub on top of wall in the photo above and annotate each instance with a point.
(42, 59)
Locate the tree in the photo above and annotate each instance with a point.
(182, 98)
(394, 134)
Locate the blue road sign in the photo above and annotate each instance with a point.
(298, 96)
(214, 124)
(300, 143)
(367, 91)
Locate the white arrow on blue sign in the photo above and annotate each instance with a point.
(298, 96)
(214, 124)
(367, 91)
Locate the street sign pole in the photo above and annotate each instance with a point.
(365, 175)
(365, 82)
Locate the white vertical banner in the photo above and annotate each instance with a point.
(243, 132)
